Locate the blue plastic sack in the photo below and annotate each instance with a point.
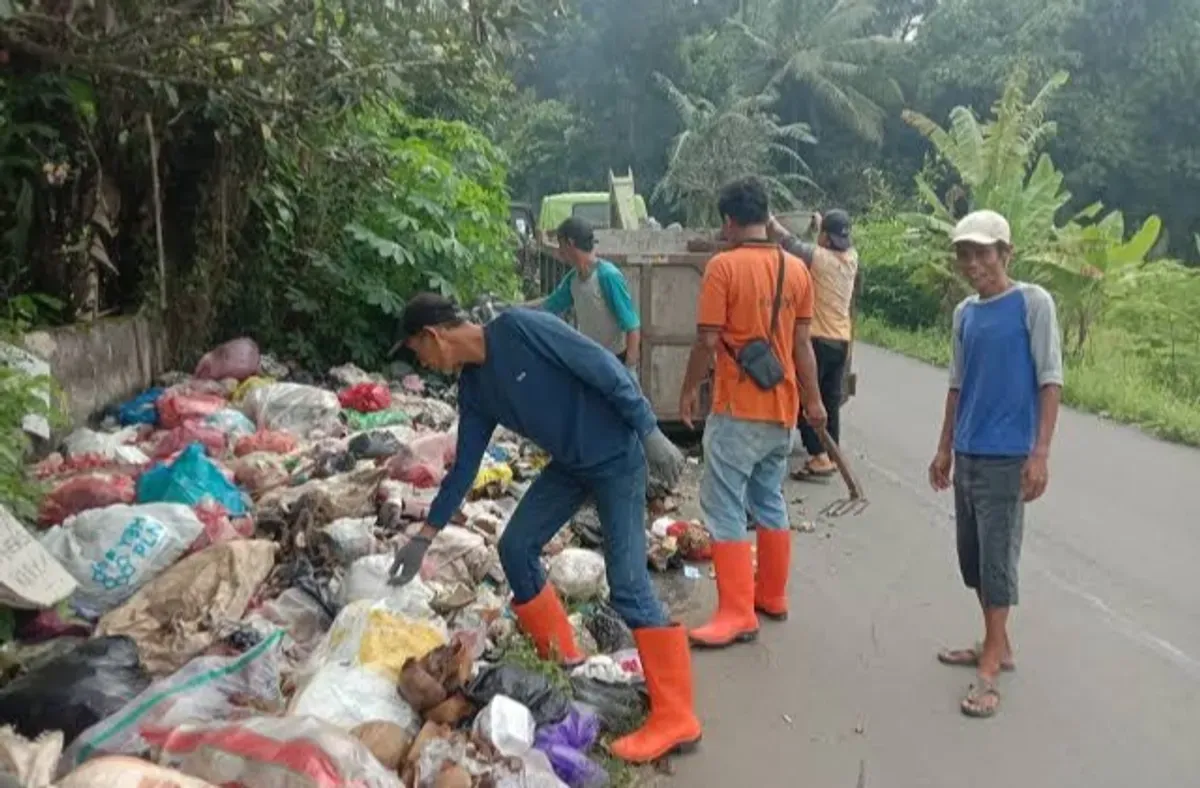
(567, 745)
(141, 409)
(189, 480)
(231, 422)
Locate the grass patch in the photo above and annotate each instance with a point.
(1113, 379)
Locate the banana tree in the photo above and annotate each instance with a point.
(1088, 265)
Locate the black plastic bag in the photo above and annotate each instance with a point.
(375, 445)
(75, 691)
(622, 708)
(608, 629)
(533, 690)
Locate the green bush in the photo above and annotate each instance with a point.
(891, 290)
(357, 221)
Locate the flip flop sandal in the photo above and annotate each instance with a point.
(969, 658)
(972, 704)
(806, 474)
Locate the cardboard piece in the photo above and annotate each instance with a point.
(30, 578)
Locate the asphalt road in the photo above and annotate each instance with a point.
(847, 693)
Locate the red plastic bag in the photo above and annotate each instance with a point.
(175, 408)
(238, 359)
(219, 526)
(366, 397)
(269, 441)
(179, 438)
(81, 493)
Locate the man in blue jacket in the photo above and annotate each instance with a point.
(535, 375)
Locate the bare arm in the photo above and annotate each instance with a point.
(1049, 399)
(946, 439)
(633, 347)
(806, 363)
(704, 350)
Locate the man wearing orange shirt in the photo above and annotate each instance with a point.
(755, 307)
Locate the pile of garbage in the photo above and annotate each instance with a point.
(203, 600)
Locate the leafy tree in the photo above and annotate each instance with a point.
(735, 138)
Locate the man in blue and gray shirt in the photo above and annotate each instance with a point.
(1006, 377)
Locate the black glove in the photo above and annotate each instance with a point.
(409, 557)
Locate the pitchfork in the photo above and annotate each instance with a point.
(857, 501)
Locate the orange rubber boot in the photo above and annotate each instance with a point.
(545, 621)
(734, 621)
(672, 725)
(774, 564)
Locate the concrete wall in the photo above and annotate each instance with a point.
(102, 363)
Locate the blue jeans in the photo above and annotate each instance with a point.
(744, 466)
(551, 501)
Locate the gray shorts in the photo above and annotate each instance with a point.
(990, 515)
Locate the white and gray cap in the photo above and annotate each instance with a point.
(982, 227)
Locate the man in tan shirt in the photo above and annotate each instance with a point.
(833, 265)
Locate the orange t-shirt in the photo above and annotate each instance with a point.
(736, 296)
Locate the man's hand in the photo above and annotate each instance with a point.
(689, 404)
(664, 458)
(409, 557)
(814, 413)
(939, 470)
(1035, 476)
(814, 223)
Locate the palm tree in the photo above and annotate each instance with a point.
(720, 141)
(823, 46)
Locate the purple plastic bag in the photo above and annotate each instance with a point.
(567, 744)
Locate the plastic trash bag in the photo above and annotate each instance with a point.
(301, 616)
(219, 526)
(567, 745)
(171, 443)
(366, 397)
(237, 359)
(350, 538)
(141, 409)
(174, 617)
(621, 708)
(260, 473)
(305, 411)
(375, 445)
(271, 752)
(176, 408)
(532, 690)
(347, 697)
(114, 551)
(112, 446)
(74, 691)
(457, 555)
(380, 636)
(232, 423)
(578, 574)
(28, 763)
(207, 688)
(120, 771)
(361, 422)
(367, 579)
(508, 725)
(265, 441)
(81, 493)
(189, 480)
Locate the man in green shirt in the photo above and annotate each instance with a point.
(597, 291)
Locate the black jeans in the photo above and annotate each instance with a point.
(831, 371)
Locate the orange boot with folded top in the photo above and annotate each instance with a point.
(774, 565)
(735, 620)
(672, 725)
(545, 621)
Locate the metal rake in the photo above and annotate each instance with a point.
(856, 502)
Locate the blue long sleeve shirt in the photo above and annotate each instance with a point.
(547, 382)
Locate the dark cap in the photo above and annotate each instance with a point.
(578, 232)
(423, 311)
(836, 225)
